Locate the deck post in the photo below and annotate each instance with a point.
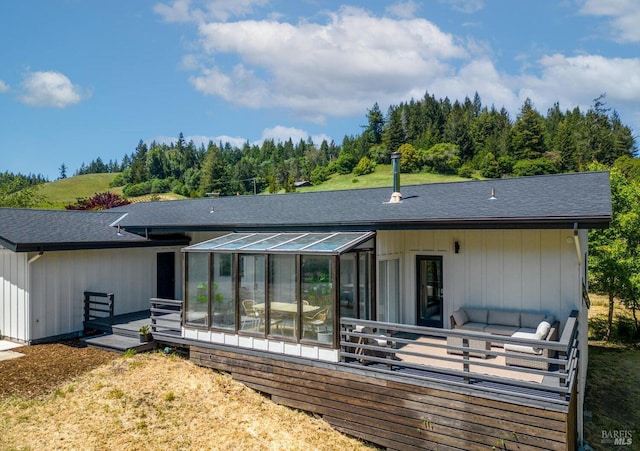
(86, 307)
(465, 357)
(110, 298)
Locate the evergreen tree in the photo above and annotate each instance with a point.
(528, 134)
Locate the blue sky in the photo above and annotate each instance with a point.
(82, 78)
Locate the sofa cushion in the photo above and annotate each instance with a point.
(531, 320)
(502, 318)
(460, 317)
(472, 325)
(542, 330)
(522, 348)
(499, 329)
(528, 330)
(477, 315)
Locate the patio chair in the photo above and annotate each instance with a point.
(317, 320)
(381, 342)
(250, 318)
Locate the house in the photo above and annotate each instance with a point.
(323, 288)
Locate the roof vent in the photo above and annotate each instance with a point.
(395, 163)
(493, 194)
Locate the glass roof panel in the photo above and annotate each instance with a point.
(334, 242)
(247, 240)
(217, 242)
(274, 240)
(291, 243)
(300, 242)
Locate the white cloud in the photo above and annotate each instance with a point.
(50, 89)
(625, 16)
(403, 10)
(337, 68)
(580, 79)
(465, 6)
(183, 11)
(4, 87)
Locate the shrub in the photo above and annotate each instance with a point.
(119, 180)
(539, 166)
(160, 185)
(319, 174)
(489, 167)
(466, 170)
(99, 201)
(364, 166)
(139, 189)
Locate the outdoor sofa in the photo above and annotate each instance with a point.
(526, 325)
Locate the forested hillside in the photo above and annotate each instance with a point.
(465, 138)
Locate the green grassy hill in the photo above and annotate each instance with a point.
(381, 177)
(65, 191)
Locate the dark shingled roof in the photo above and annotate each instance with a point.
(553, 201)
(24, 230)
(557, 201)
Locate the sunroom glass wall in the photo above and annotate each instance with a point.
(197, 290)
(317, 297)
(283, 307)
(223, 293)
(252, 292)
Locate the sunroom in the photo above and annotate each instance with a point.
(278, 287)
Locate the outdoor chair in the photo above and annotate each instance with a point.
(250, 318)
(317, 320)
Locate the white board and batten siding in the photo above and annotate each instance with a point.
(526, 270)
(59, 280)
(14, 292)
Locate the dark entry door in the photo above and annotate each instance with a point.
(166, 285)
(429, 290)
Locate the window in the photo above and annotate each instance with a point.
(222, 296)
(389, 291)
(197, 289)
(355, 285)
(283, 307)
(252, 292)
(317, 297)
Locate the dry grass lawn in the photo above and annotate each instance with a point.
(613, 381)
(154, 401)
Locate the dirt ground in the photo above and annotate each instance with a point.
(48, 366)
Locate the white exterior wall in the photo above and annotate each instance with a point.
(59, 280)
(529, 270)
(14, 295)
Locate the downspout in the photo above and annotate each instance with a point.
(576, 240)
(28, 336)
(582, 368)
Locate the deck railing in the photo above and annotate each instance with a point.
(427, 353)
(98, 306)
(166, 316)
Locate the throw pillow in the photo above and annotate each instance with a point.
(543, 330)
(460, 317)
